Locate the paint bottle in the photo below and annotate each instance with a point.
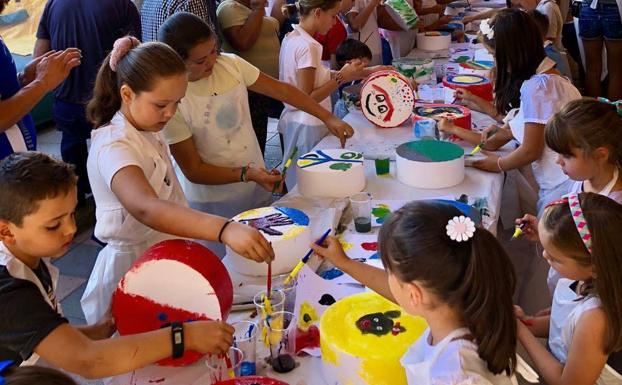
(425, 129)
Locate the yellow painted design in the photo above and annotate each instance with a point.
(380, 355)
(308, 309)
(304, 162)
(294, 231)
(467, 79)
(254, 213)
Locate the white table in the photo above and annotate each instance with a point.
(476, 184)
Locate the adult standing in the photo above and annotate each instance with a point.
(91, 26)
(600, 21)
(154, 12)
(254, 36)
(19, 93)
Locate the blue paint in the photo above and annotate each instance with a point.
(162, 316)
(247, 368)
(320, 157)
(295, 215)
(332, 273)
(375, 256)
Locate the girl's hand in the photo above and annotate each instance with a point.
(248, 242)
(444, 20)
(489, 163)
(446, 125)
(467, 98)
(264, 178)
(213, 337)
(354, 70)
(332, 251)
(530, 230)
(340, 129)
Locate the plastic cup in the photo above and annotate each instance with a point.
(425, 129)
(218, 367)
(245, 339)
(277, 302)
(289, 291)
(361, 209)
(383, 166)
(281, 340)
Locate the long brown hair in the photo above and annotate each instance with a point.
(475, 276)
(139, 69)
(304, 7)
(30, 375)
(518, 50)
(586, 124)
(604, 220)
(183, 31)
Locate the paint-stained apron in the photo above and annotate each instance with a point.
(226, 138)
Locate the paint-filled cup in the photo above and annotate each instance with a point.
(361, 210)
(245, 339)
(383, 166)
(277, 302)
(280, 338)
(221, 367)
(425, 129)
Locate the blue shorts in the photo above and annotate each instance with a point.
(604, 21)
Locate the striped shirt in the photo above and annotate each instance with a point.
(154, 12)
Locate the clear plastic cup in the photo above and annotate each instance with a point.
(245, 339)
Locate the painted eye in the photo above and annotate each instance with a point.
(376, 320)
(379, 328)
(383, 109)
(380, 98)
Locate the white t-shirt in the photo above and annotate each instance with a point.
(220, 81)
(300, 50)
(114, 147)
(369, 33)
(541, 97)
(556, 23)
(452, 361)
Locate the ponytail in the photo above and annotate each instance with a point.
(475, 276)
(305, 7)
(290, 11)
(140, 67)
(485, 295)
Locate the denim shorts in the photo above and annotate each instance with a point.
(604, 21)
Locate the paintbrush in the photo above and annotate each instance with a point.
(483, 142)
(230, 371)
(288, 163)
(304, 260)
(518, 231)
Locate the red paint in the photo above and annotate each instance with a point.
(308, 339)
(251, 380)
(135, 314)
(157, 381)
(387, 100)
(527, 322)
(370, 246)
(483, 90)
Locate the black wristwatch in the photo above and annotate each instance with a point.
(177, 339)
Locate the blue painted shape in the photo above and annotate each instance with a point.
(320, 157)
(331, 274)
(162, 316)
(466, 209)
(375, 256)
(248, 368)
(295, 215)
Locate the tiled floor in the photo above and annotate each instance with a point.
(76, 265)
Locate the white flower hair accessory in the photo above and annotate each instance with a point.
(460, 229)
(486, 29)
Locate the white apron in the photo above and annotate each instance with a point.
(566, 311)
(226, 138)
(401, 42)
(302, 130)
(420, 369)
(19, 270)
(114, 260)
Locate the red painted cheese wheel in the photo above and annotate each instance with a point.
(173, 281)
(460, 115)
(477, 85)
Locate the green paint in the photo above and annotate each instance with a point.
(430, 151)
(462, 59)
(351, 155)
(380, 213)
(394, 80)
(383, 166)
(340, 166)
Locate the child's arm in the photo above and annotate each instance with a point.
(289, 94)
(586, 357)
(372, 277)
(69, 349)
(529, 151)
(199, 172)
(136, 195)
(443, 20)
(356, 20)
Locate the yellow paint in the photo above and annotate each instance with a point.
(380, 355)
(466, 79)
(345, 245)
(294, 231)
(308, 309)
(304, 162)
